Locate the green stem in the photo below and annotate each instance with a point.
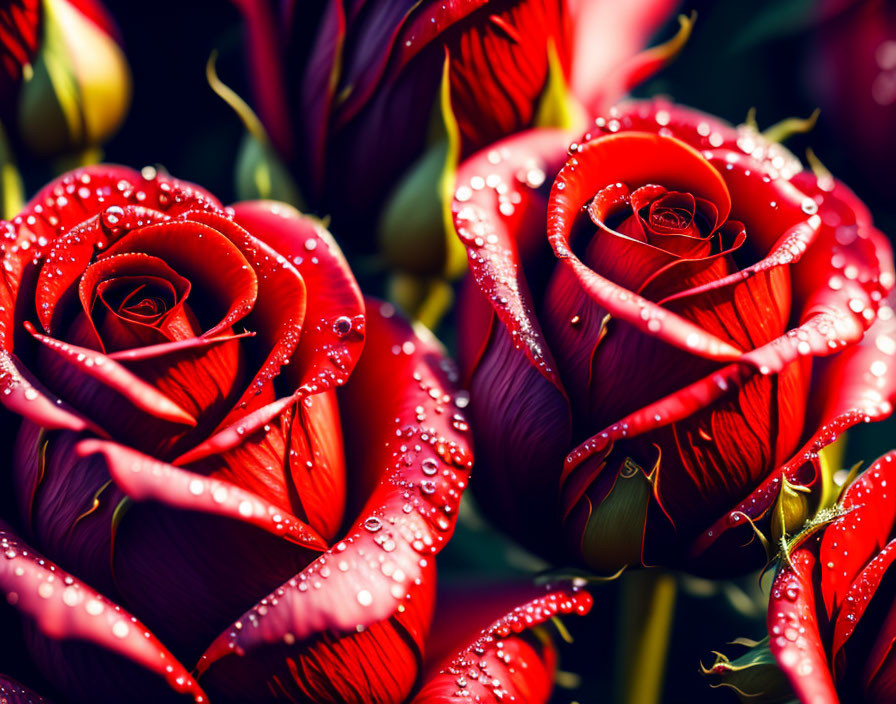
(648, 607)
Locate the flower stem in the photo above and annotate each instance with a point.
(645, 623)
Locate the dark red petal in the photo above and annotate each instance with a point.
(500, 663)
(498, 69)
(522, 428)
(858, 385)
(793, 629)
(409, 472)
(67, 502)
(494, 229)
(855, 538)
(146, 479)
(63, 608)
(635, 159)
(20, 35)
(24, 395)
(175, 584)
(110, 395)
(333, 332)
(231, 286)
(14, 693)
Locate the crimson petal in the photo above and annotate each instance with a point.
(62, 609)
(333, 334)
(500, 663)
(853, 539)
(794, 636)
(379, 576)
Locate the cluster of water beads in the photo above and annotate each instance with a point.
(479, 671)
(64, 607)
(380, 563)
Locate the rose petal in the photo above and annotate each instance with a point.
(858, 385)
(63, 608)
(230, 290)
(853, 539)
(175, 584)
(19, 38)
(333, 334)
(494, 239)
(68, 502)
(14, 693)
(500, 663)
(377, 576)
(794, 637)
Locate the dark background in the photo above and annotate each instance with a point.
(741, 55)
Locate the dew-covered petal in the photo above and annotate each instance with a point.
(409, 473)
(857, 385)
(794, 636)
(89, 646)
(175, 584)
(495, 228)
(501, 661)
(850, 542)
(333, 330)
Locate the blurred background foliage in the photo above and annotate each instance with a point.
(762, 54)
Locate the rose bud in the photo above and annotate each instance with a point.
(657, 348)
(388, 97)
(64, 79)
(201, 497)
(830, 615)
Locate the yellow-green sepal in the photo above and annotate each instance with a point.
(754, 676)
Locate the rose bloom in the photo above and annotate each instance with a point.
(198, 512)
(647, 377)
(357, 95)
(831, 617)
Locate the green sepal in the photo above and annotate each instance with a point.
(755, 676)
(614, 534)
(260, 174)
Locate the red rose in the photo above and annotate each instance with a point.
(830, 615)
(368, 90)
(184, 457)
(692, 345)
